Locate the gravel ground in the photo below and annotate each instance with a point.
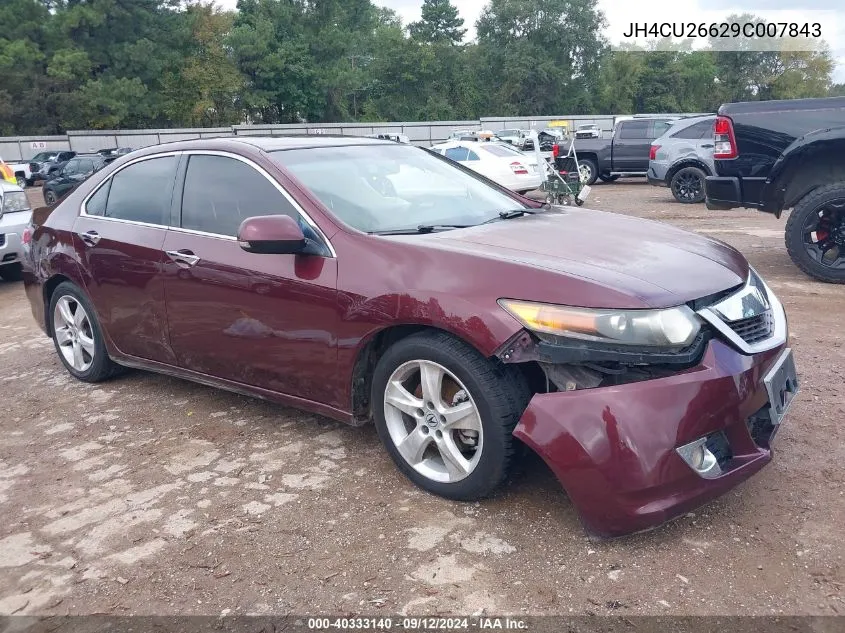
(149, 495)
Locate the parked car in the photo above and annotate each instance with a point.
(626, 153)
(500, 163)
(383, 282)
(516, 137)
(396, 138)
(776, 155)
(17, 173)
(114, 152)
(591, 130)
(683, 157)
(15, 214)
(75, 171)
(44, 164)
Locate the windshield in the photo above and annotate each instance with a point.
(376, 188)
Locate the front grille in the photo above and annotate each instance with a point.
(754, 329)
(33, 167)
(760, 427)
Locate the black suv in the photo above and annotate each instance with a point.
(75, 171)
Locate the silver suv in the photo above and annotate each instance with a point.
(683, 157)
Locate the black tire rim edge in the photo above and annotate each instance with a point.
(823, 234)
(687, 186)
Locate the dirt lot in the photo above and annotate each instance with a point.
(148, 495)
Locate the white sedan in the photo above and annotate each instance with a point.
(499, 162)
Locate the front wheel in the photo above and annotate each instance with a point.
(815, 233)
(609, 178)
(21, 182)
(446, 414)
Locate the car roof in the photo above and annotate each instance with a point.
(263, 143)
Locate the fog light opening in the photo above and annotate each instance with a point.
(700, 458)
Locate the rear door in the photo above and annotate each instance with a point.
(631, 145)
(119, 237)
(264, 320)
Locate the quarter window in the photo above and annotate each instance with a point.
(96, 204)
(222, 192)
(142, 192)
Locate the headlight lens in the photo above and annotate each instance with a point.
(673, 327)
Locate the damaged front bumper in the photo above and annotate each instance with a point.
(615, 448)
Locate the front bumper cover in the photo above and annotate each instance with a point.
(613, 448)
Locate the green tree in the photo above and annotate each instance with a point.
(439, 22)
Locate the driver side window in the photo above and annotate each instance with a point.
(221, 192)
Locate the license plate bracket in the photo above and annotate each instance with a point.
(781, 383)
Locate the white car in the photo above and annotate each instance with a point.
(588, 131)
(515, 137)
(15, 214)
(497, 161)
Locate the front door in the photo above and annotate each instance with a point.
(631, 146)
(119, 237)
(263, 320)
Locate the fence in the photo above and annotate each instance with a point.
(420, 133)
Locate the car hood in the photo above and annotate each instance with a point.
(656, 263)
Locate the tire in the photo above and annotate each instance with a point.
(30, 182)
(609, 178)
(21, 182)
(589, 170)
(12, 272)
(687, 185)
(50, 197)
(99, 366)
(496, 394)
(822, 209)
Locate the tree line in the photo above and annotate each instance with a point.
(106, 64)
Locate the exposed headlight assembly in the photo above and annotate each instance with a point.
(671, 327)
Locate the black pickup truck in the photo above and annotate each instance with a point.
(776, 155)
(626, 153)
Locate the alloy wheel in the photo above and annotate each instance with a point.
(687, 186)
(74, 334)
(21, 182)
(585, 172)
(433, 421)
(824, 234)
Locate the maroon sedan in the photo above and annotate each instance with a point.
(366, 280)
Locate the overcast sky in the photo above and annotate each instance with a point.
(620, 13)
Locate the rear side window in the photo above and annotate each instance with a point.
(702, 129)
(142, 192)
(634, 129)
(222, 192)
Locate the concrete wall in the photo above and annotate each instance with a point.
(420, 132)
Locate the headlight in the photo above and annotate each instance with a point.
(674, 327)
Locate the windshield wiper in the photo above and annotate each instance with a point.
(515, 213)
(422, 228)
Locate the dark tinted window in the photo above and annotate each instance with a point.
(66, 155)
(702, 129)
(634, 129)
(71, 168)
(96, 204)
(86, 166)
(221, 192)
(142, 191)
(457, 153)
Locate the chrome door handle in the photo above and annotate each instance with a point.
(183, 257)
(89, 237)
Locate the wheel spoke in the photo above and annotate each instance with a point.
(397, 396)
(87, 343)
(462, 416)
(414, 445)
(78, 358)
(62, 335)
(79, 317)
(456, 464)
(431, 380)
(64, 309)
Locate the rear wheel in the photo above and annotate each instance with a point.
(687, 185)
(446, 414)
(77, 335)
(815, 233)
(588, 170)
(12, 272)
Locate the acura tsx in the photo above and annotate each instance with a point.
(366, 280)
